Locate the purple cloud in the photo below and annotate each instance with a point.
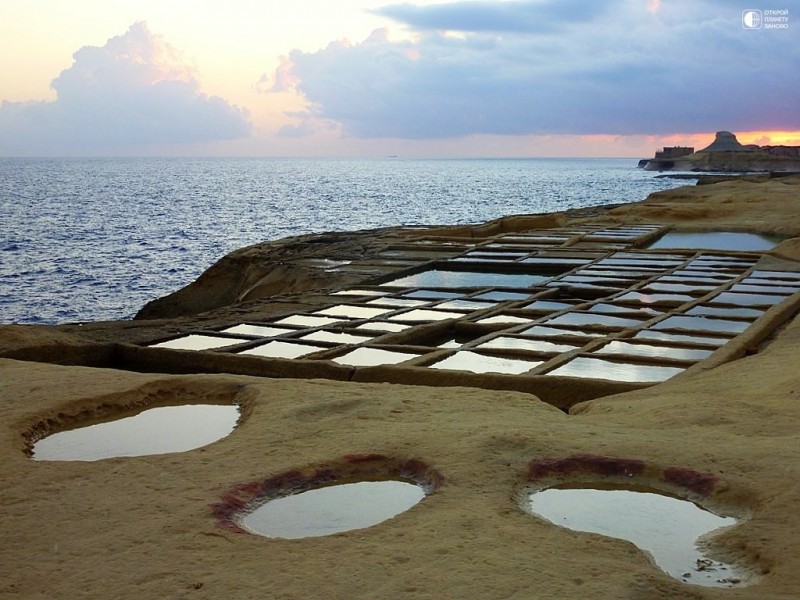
(679, 66)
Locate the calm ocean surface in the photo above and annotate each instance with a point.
(95, 239)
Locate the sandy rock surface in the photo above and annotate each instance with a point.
(150, 527)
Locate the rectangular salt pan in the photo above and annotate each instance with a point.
(335, 337)
(478, 363)
(307, 320)
(419, 314)
(527, 344)
(258, 330)
(199, 342)
(369, 357)
(280, 349)
(746, 299)
(467, 279)
(702, 324)
(652, 351)
(678, 338)
(353, 312)
(593, 320)
(596, 368)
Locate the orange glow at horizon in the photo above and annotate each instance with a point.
(770, 138)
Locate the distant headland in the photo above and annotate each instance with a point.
(725, 154)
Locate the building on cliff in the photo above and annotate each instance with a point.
(726, 155)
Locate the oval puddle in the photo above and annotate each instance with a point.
(665, 527)
(159, 430)
(332, 509)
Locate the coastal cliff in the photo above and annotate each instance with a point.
(727, 155)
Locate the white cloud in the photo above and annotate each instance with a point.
(132, 93)
(545, 67)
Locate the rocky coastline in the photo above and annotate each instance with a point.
(723, 433)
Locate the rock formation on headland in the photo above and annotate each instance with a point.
(726, 155)
(724, 432)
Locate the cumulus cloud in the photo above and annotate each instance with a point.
(546, 67)
(130, 93)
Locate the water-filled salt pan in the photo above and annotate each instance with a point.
(596, 368)
(333, 509)
(367, 357)
(158, 430)
(199, 342)
(717, 240)
(667, 528)
(479, 363)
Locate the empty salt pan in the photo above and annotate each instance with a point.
(159, 430)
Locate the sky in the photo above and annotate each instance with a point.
(483, 78)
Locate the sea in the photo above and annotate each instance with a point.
(94, 239)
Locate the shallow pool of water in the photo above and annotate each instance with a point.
(280, 349)
(527, 344)
(622, 348)
(480, 363)
(467, 279)
(258, 330)
(667, 528)
(717, 240)
(369, 357)
(332, 509)
(200, 342)
(597, 368)
(159, 430)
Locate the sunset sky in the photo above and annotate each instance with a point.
(377, 77)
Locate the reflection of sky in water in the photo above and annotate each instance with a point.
(531, 345)
(648, 350)
(158, 430)
(653, 298)
(576, 318)
(419, 314)
(466, 279)
(663, 336)
(279, 349)
(368, 357)
(478, 363)
(335, 337)
(667, 528)
(597, 368)
(333, 509)
(717, 240)
(199, 342)
(259, 330)
(718, 311)
(702, 324)
(307, 321)
(353, 312)
(746, 299)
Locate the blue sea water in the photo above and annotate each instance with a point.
(95, 239)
